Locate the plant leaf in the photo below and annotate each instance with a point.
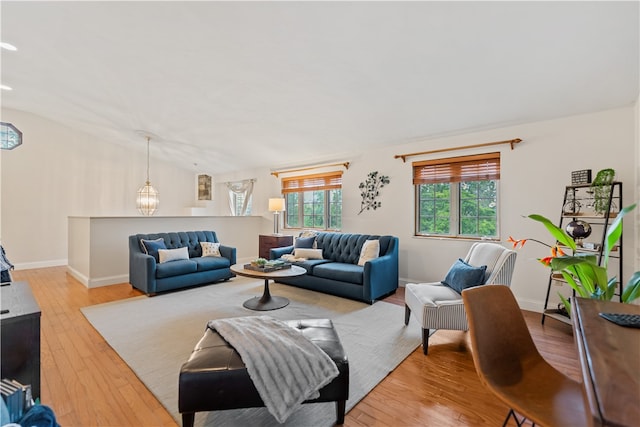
(611, 289)
(632, 288)
(567, 304)
(559, 234)
(614, 232)
(580, 290)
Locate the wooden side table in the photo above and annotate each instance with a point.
(268, 241)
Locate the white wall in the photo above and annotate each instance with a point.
(637, 193)
(58, 172)
(533, 177)
(53, 176)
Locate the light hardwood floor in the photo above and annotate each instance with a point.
(87, 384)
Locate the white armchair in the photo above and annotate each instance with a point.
(437, 306)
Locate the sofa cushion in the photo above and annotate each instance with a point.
(211, 263)
(190, 239)
(342, 272)
(168, 255)
(310, 264)
(150, 247)
(176, 268)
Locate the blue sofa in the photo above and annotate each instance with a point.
(151, 277)
(338, 273)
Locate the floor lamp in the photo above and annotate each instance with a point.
(276, 206)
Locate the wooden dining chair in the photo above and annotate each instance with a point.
(509, 364)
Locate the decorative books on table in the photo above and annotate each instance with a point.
(267, 266)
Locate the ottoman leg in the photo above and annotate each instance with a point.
(425, 340)
(188, 418)
(340, 409)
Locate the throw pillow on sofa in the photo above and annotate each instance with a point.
(308, 233)
(370, 250)
(462, 276)
(167, 255)
(210, 249)
(305, 242)
(151, 247)
(308, 253)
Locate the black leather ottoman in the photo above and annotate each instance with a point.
(215, 378)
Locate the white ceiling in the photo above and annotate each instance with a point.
(242, 85)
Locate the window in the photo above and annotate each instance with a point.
(239, 207)
(240, 197)
(313, 201)
(457, 196)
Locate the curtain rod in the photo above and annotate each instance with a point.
(343, 164)
(511, 142)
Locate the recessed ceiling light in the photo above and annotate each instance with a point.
(8, 46)
(5, 87)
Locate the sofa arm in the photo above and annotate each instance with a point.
(142, 272)
(228, 252)
(275, 253)
(380, 277)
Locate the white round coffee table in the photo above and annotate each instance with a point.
(267, 302)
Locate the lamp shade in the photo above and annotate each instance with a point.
(276, 205)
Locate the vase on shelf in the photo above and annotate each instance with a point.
(578, 230)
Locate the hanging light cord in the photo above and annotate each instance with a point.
(148, 139)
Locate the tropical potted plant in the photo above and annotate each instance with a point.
(581, 270)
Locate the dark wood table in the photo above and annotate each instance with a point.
(267, 302)
(610, 361)
(268, 241)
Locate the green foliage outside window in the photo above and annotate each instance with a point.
(293, 206)
(320, 209)
(467, 209)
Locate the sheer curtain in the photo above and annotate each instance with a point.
(239, 190)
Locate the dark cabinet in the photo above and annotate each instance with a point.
(20, 335)
(268, 241)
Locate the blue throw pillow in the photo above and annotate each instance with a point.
(462, 275)
(150, 247)
(305, 242)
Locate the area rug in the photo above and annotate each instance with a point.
(156, 335)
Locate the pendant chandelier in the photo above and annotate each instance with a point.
(147, 201)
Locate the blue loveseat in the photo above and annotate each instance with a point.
(338, 272)
(150, 276)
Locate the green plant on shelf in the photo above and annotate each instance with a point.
(601, 188)
(581, 270)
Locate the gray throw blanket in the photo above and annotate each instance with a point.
(285, 367)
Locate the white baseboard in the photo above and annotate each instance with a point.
(530, 305)
(40, 264)
(78, 276)
(96, 283)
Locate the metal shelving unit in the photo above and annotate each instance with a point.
(578, 205)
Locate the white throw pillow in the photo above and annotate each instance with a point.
(167, 255)
(370, 250)
(210, 249)
(308, 253)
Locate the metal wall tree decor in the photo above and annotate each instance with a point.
(370, 189)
